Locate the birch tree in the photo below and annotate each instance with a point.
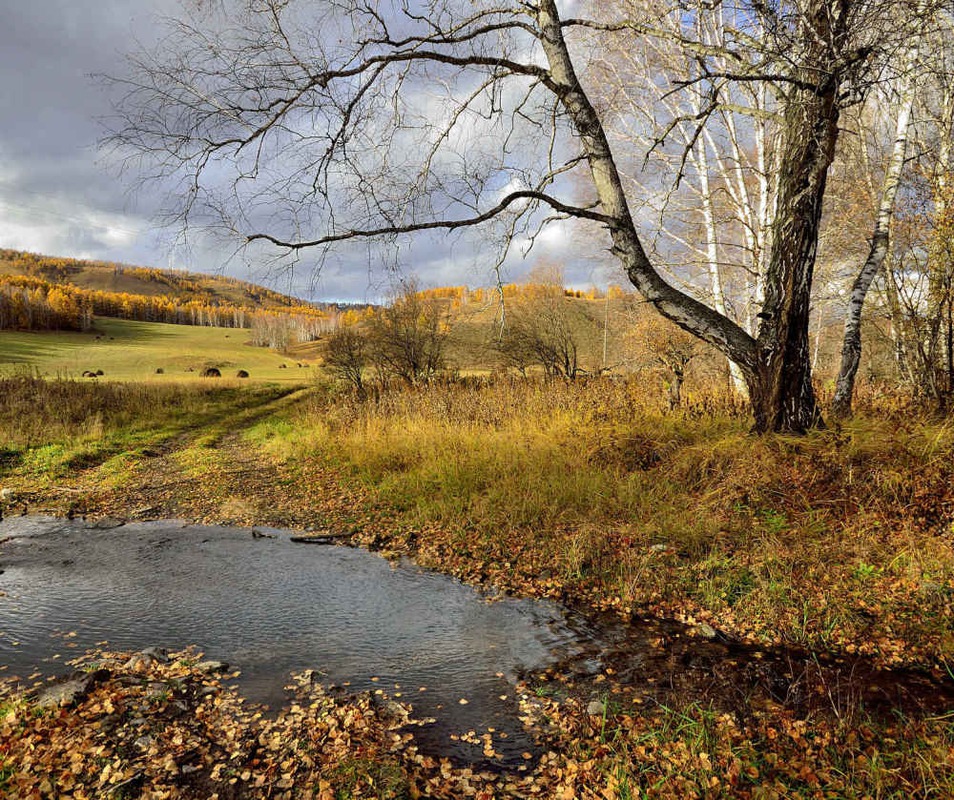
(719, 171)
(939, 377)
(920, 284)
(877, 253)
(308, 125)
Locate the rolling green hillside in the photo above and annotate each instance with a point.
(128, 350)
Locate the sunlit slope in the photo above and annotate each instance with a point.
(118, 278)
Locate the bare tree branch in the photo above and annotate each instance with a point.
(393, 230)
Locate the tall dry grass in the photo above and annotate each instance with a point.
(35, 411)
(793, 537)
(481, 453)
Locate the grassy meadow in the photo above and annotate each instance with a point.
(126, 350)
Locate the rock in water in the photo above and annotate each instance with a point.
(143, 659)
(210, 667)
(106, 523)
(69, 691)
(159, 654)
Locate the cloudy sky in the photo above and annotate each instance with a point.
(54, 197)
(58, 195)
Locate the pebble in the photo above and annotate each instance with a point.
(595, 708)
(209, 667)
(106, 523)
(706, 631)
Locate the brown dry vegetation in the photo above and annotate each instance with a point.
(840, 541)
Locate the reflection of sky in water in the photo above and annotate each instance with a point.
(269, 607)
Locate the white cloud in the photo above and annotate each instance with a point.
(61, 225)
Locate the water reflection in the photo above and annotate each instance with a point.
(270, 607)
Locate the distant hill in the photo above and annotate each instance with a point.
(50, 293)
(179, 286)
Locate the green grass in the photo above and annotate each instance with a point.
(132, 351)
(363, 777)
(52, 428)
(513, 454)
(691, 751)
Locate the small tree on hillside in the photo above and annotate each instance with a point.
(407, 339)
(545, 325)
(346, 355)
(654, 345)
(543, 330)
(672, 351)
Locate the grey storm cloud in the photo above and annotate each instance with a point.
(58, 196)
(54, 194)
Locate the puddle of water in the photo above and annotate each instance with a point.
(269, 607)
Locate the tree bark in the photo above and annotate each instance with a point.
(777, 365)
(783, 398)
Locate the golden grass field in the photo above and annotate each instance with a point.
(839, 544)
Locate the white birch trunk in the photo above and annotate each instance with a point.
(851, 347)
(712, 256)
